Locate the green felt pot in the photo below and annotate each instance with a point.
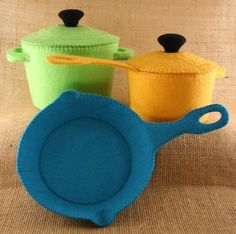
(47, 81)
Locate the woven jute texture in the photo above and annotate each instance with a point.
(193, 186)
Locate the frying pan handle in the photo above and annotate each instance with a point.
(161, 133)
(193, 125)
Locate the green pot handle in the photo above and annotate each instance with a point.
(123, 54)
(16, 55)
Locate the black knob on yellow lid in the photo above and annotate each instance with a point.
(171, 42)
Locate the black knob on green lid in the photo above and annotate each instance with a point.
(71, 17)
(171, 42)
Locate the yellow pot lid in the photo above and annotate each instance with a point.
(173, 61)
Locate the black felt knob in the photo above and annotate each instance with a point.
(71, 17)
(171, 42)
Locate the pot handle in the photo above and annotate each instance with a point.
(220, 71)
(123, 54)
(79, 60)
(161, 133)
(16, 55)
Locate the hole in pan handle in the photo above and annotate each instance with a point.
(193, 124)
(161, 133)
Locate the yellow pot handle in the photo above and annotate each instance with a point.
(220, 72)
(78, 60)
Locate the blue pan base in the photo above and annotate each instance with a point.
(85, 161)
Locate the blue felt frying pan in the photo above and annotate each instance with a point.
(89, 157)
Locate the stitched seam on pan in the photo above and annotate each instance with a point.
(63, 197)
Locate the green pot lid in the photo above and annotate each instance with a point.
(70, 34)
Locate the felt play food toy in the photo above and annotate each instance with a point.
(94, 159)
(163, 85)
(46, 82)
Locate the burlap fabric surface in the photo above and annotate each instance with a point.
(193, 186)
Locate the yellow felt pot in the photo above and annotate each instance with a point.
(163, 85)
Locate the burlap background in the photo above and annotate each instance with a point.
(193, 186)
